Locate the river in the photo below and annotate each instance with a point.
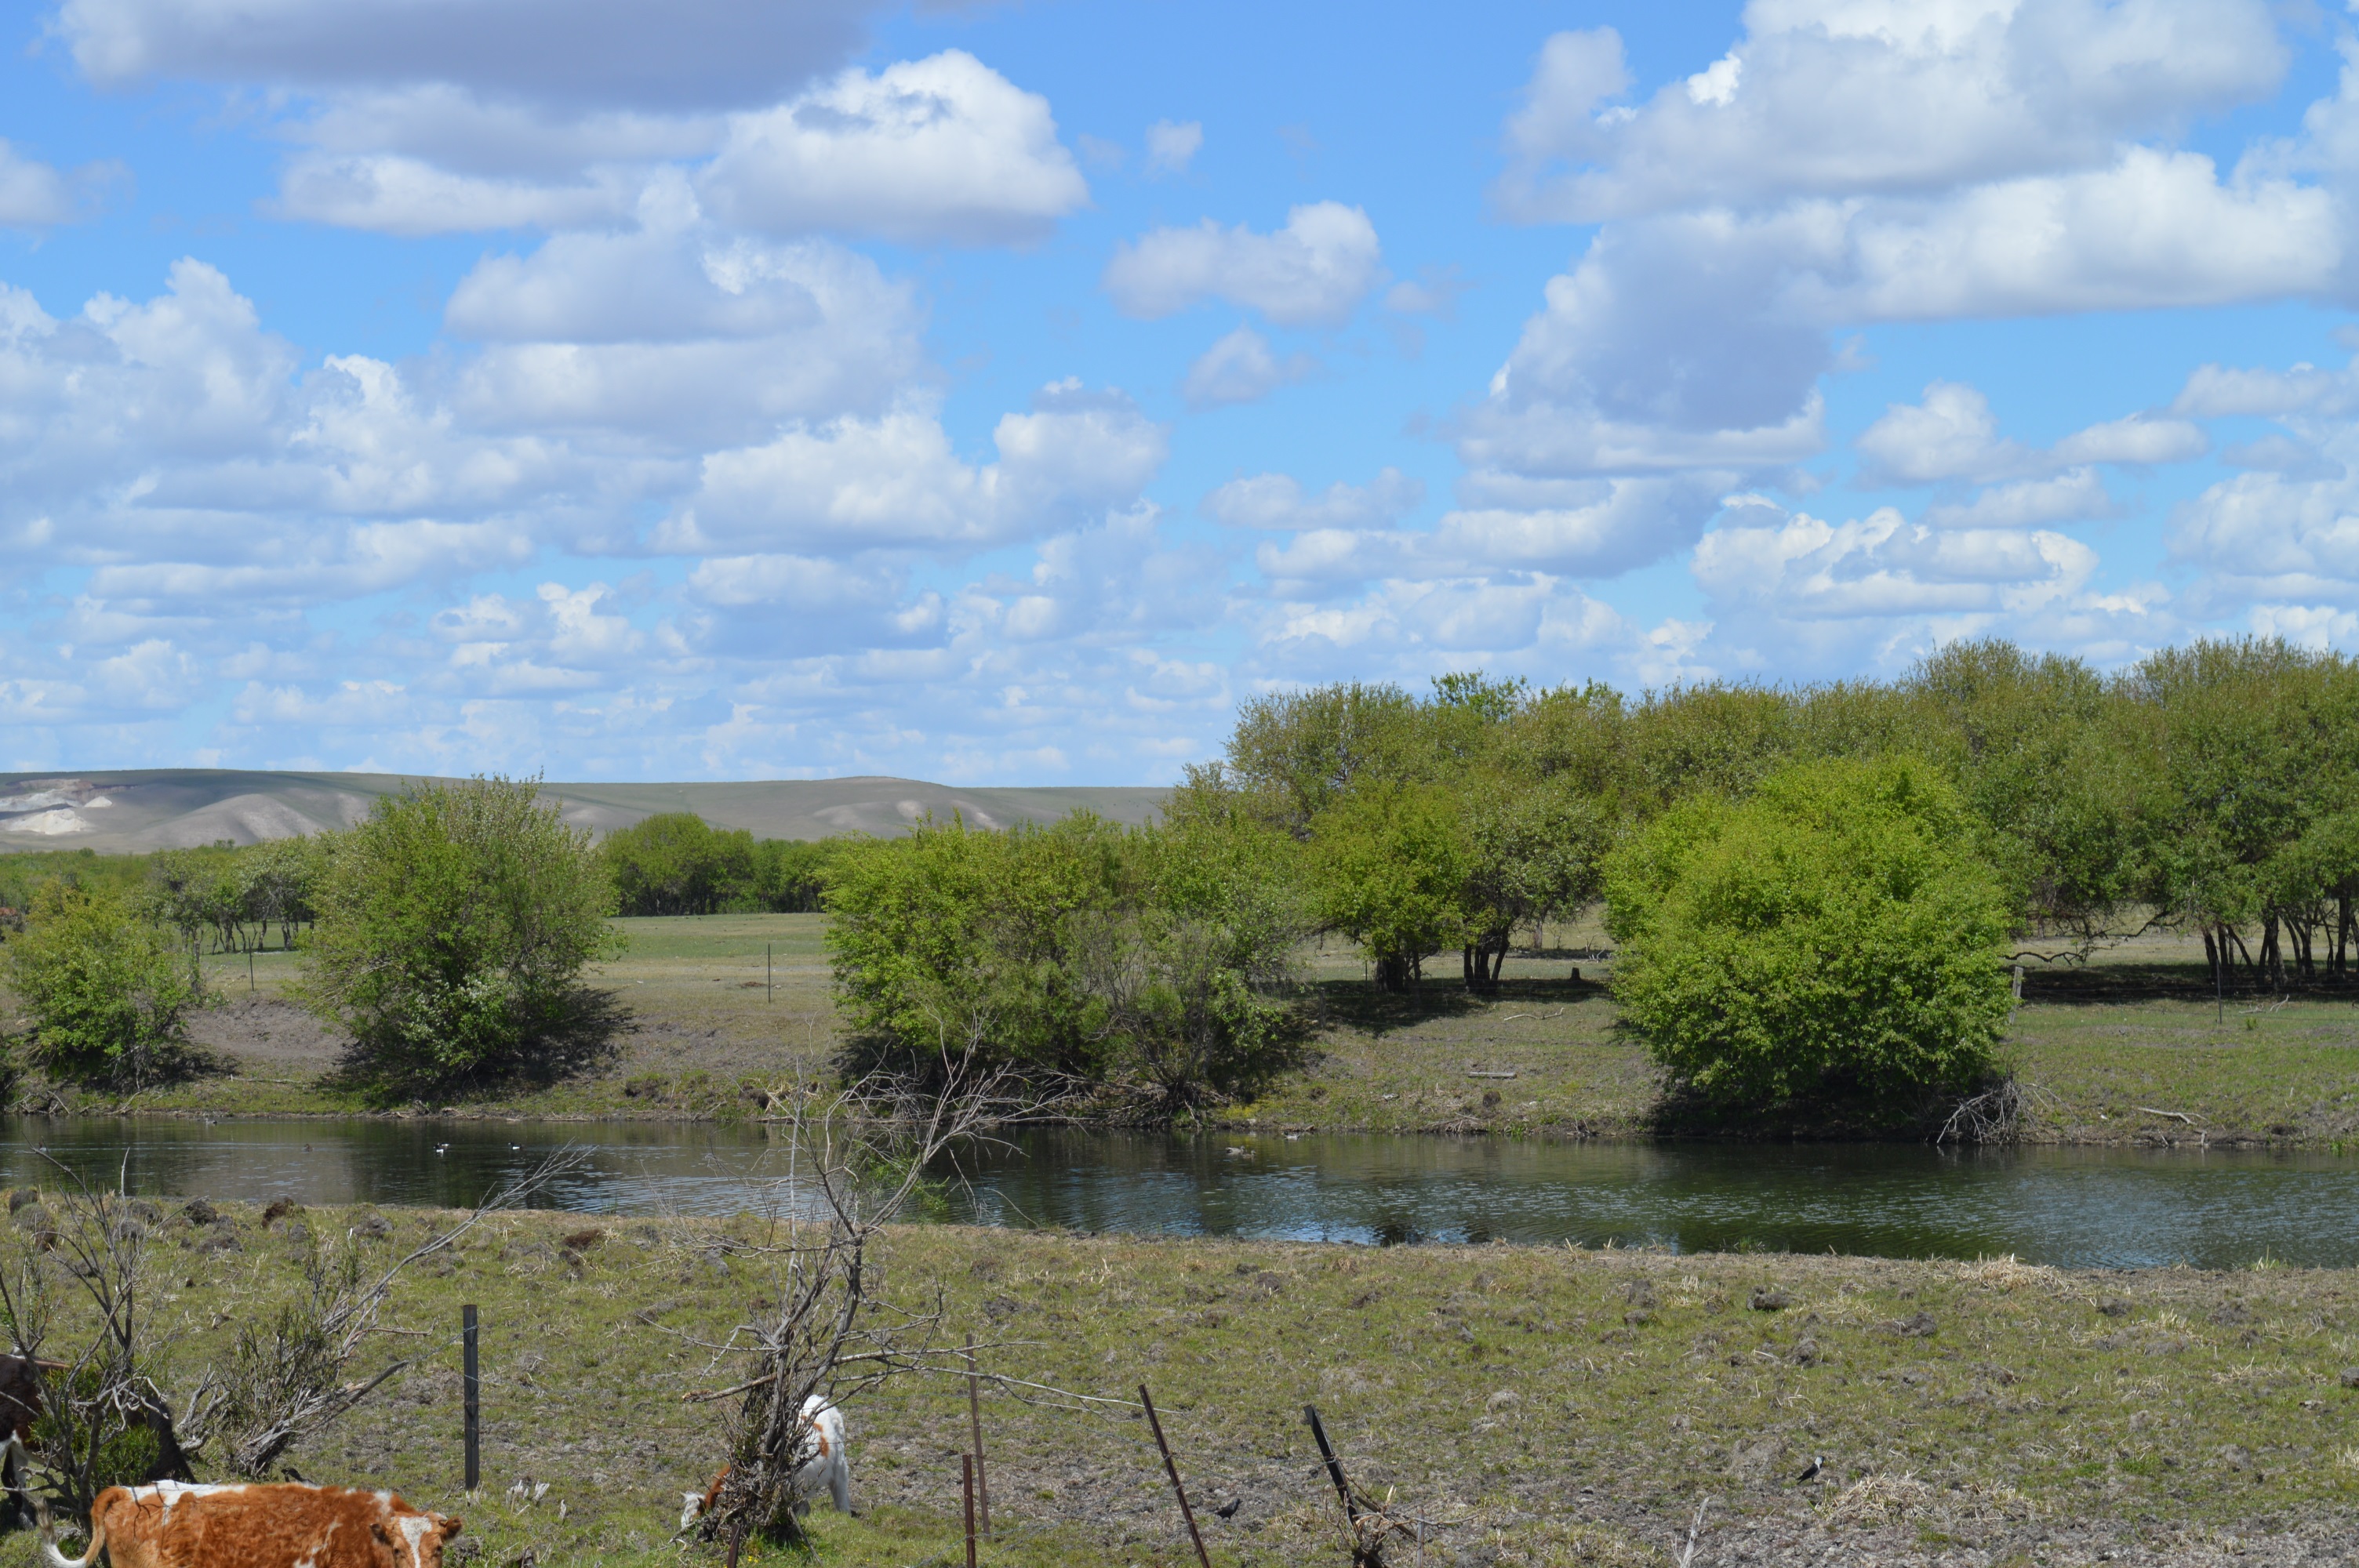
(2076, 1207)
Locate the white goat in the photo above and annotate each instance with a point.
(829, 1465)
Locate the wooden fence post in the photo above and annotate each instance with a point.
(974, 1417)
(966, 1487)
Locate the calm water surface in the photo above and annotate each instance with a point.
(2073, 1207)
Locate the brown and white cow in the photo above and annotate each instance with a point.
(287, 1524)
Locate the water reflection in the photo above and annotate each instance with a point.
(2080, 1208)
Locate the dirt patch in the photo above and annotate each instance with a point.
(266, 1031)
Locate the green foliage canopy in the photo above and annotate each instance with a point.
(1835, 932)
(108, 990)
(1154, 955)
(455, 923)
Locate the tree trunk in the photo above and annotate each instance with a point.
(2211, 956)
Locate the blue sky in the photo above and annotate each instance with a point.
(1002, 392)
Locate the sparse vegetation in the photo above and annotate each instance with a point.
(1573, 1406)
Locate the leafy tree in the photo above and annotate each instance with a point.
(109, 991)
(455, 923)
(1389, 864)
(1835, 933)
(790, 874)
(1533, 854)
(1295, 753)
(953, 937)
(677, 863)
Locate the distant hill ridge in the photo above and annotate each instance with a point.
(168, 809)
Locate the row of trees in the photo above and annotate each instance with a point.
(677, 863)
(1815, 889)
(2213, 788)
(447, 933)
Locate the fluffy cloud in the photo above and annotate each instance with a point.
(1240, 368)
(2281, 539)
(1169, 147)
(391, 194)
(33, 195)
(1276, 501)
(1854, 161)
(1951, 435)
(1597, 528)
(894, 483)
(603, 53)
(2074, 495)
(679, 331)
(931, 149)
(1881, 565)
(1313, 272)
(1843, 98)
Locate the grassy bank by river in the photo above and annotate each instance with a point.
(1563, 1406)
(2109, 1048)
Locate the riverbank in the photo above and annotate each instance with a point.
(1561, 1406)
(2130, 1049)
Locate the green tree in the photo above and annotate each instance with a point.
(953, 937)
(677, 863)
(1835, 933)
(790, 874)
(1154, 956)
(1533, 854)
(109, 991)
(454, 924)
(1191, 968)
(1389, 865)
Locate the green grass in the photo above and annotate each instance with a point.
(1566, 1406)
(2134, 1029)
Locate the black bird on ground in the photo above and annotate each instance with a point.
(1229, 1509)
(1818, 1463)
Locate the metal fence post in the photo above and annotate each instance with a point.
(1155, 1422)
(474, 1399)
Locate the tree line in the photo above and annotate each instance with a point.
(1813, 888)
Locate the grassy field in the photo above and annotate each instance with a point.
(2107, 1048)
(1558, 1406)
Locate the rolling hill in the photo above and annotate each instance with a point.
(141, 809)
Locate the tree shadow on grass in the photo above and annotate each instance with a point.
(2093, 985)
(1357, 1004)
(582, 1040)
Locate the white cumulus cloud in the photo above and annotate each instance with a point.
(942, 148)
(1240, 368)
(1313, 272)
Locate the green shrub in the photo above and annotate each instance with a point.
(1836, 934)
(1150, 957)
(455, 926)
(108, 991)
(953, 937)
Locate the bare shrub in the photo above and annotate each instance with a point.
(289, 1376)
(856, 1161)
